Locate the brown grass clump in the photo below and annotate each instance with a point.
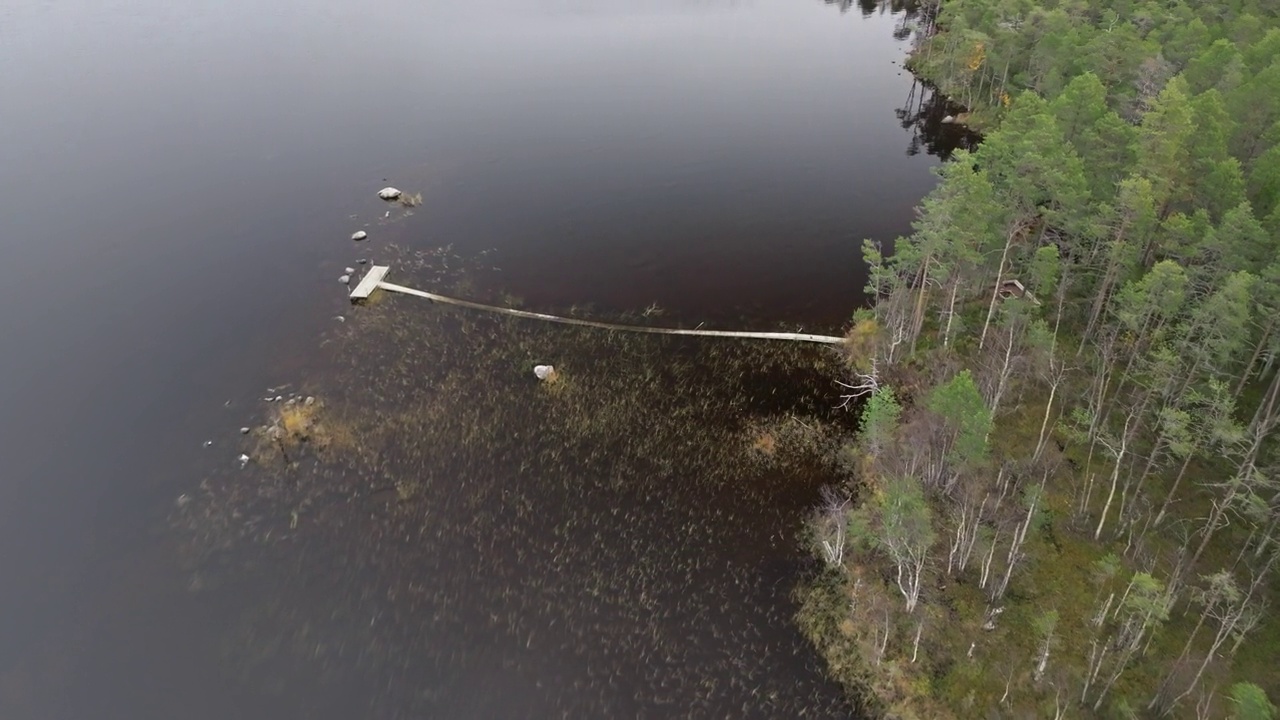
(765, 443)
(785, 440)
(297, 420)
(298, 426)
(410, 201)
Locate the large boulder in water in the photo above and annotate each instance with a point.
(389, 193)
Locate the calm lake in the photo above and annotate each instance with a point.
(178, 185)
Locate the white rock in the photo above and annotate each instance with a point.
(359, 235)
(309, 401)
(389, 193)
(948, 119)
(244, 459)
(348, 270)
(542, 372)
(345, 279)
(244, 431)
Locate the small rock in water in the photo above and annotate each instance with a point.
(309, 401)
(348, 270)
(208, 443)
(279, 398)
(268, 399)
(182, 500)
(362, 261)
(359, 235)
(389, 193)
(244, 460)
(544, 372)
(339, 318)
(948, 119)
(244, 431)
(345, 279)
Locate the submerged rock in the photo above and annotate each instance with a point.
(345, 279)
(389, 193)
(359, 235)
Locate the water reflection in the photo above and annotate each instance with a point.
(923, 114)
(922, 111)
(908, 8)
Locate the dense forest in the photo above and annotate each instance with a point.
(1065, 496)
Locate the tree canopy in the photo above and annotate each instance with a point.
(1101, 271)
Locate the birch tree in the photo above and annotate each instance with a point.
(1140, 612)
(1214, 431)
(1046, 629)
(898, 523)
(1226, 606)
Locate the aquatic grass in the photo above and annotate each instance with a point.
(296, 428)
(615, 527)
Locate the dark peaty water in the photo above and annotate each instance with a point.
(178, 182)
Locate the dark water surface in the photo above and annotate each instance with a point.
(178, 182)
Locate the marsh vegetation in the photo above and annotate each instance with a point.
(622, 541)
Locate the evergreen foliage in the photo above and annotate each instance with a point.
(1075, 480)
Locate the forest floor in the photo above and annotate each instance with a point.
(961, 669)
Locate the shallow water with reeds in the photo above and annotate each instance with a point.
(621, 541)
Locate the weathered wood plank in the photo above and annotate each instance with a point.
(801, 337)
(369, 282)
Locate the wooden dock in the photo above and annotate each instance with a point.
(373, 280)
(369, 282)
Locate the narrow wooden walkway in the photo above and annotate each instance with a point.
(373, 280)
